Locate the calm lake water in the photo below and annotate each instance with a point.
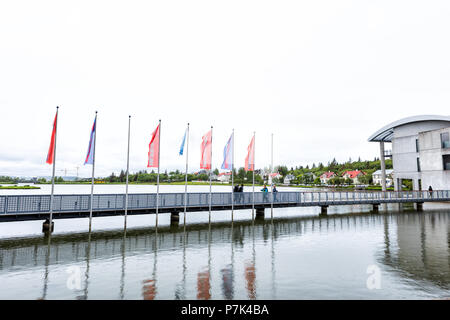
(351, 254)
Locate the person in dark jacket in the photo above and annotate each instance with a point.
(241, 196)
(430, 190)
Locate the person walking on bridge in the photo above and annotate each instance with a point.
(274, 192)
(241, 196)
(235, 191)
(265, 192)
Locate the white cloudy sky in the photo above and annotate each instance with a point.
(321, 75)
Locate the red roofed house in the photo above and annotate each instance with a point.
(326, 176)
(353, 175)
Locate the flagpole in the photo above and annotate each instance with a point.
(157, 179)
(186, 176)
(128, 169)
(253, 204)
(210, 170)
(53, 173)
(92, 179)
(271, 171)
(232, 179)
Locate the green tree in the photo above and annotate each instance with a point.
(283, 170)
(122, 176)
(112, 177)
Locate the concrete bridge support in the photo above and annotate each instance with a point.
(419, 206)
(323, 210)
(375, 208)
(46, 226)
(259, 213)
(174, 219)
(383, 167)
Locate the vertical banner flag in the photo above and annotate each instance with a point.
(153, 152)
(250, 158)
(51, 149)
(205, 162)
(182, 143)
(228, 154)
(90, 153)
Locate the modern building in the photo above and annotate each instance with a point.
(377, 177)
(420, 151)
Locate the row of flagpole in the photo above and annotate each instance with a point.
(154, 161)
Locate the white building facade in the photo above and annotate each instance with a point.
(434, 158)
(419, 151)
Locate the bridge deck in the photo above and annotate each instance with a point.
(31, 207)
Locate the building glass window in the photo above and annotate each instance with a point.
(445, 140)
(446, 160)
(418, 164)
(417, 145)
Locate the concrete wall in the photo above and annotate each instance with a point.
(431, 152)
(404, 154)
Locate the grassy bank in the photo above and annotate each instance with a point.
(176, 183)
(19, 187)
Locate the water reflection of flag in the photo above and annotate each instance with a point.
(153, 152)
(250, 159)
(51, 149)
(149, 289)
(203, 286)
(228, 154)
(250, 276)
(227, 284)
(205, 162)
(90, 154)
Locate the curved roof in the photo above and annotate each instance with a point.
(385, 134)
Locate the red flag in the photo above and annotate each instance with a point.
(153, 152)
(205, 162)
(51, 149)
(250, 158)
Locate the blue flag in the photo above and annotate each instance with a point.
(182, 143)
(90, 154)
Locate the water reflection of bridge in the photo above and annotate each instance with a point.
(421, 253)
(73, 247)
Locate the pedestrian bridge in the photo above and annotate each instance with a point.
(37, 207)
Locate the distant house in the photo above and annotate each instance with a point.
(376, 176)
(326, 176)
(224, 177)
(353, 175)
(288, 179)
(273, 176)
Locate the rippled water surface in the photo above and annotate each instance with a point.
(295, 255)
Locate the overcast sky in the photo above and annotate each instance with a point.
(321, 75)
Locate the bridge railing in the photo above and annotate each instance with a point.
(364, 196)
(19, 204)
